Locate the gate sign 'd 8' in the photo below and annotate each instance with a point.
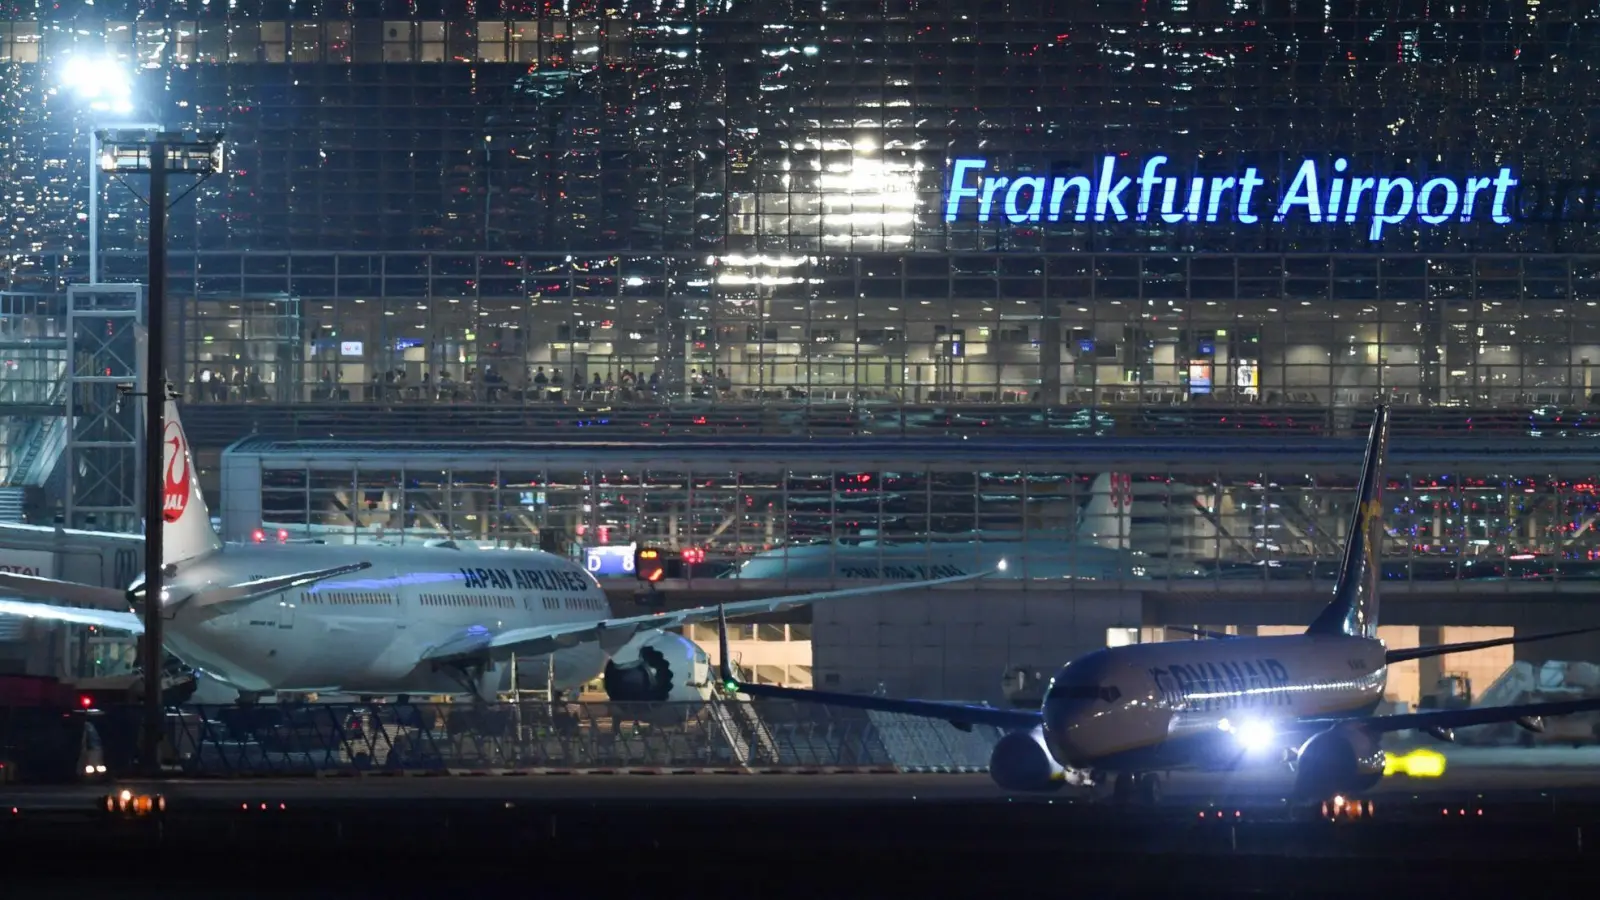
(1153, 190)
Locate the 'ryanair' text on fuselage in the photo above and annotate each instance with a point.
(1247, 684)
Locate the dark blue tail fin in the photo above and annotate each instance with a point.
(1354, 610)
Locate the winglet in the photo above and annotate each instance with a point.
(724, 659)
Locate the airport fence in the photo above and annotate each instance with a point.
(538, 737)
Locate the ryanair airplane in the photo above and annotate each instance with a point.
(1225, 702)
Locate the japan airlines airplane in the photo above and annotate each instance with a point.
(1225, 702)
(1099, 551)
(385, 620)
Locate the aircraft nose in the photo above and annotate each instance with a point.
(1063, 723)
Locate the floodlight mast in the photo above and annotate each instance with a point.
(104, 85)
(157, 153)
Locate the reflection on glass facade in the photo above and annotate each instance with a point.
(1237, 529)
(747, 202)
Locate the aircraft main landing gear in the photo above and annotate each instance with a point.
(470, 675)
(1135, 787)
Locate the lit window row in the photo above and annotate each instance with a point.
(347, 598)
(362, 41)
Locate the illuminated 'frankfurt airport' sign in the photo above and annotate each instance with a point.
(1117, 192)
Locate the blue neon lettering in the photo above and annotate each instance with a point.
(1474, 185)
(1452, 196)
(1147, 183)
(1116, 189)
(1381, 214)
(1035, 189)
(1109, 195)
(1503, 183)
(1058, 193)
(1302, 192)
(958, 186)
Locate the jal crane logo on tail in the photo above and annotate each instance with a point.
(175, 491)
(1121, 491)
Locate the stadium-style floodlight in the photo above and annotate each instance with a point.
(158, 154)
(105, 85)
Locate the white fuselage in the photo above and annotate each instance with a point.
(1203, 703)
(365, 632)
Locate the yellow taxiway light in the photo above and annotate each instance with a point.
(1419, 763)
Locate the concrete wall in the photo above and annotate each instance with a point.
(958, 644)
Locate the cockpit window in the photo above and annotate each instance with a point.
(1107, 694)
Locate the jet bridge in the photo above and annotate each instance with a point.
(1221, 515)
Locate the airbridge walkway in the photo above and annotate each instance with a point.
(1201, 520)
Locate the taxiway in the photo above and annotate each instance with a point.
(1569, 773)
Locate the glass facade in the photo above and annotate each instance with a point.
(767, 203)
(1253, 527)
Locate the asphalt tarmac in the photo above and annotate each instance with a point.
(1469, 772)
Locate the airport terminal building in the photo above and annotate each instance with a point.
(917, 203)
(1240, 218)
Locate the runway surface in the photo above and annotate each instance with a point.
(1566, 774)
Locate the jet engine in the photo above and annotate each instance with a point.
(1341, 760)
(658, 666)
(1020, 762)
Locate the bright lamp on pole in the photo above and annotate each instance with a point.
(104, 84)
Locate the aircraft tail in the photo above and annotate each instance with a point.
(186, 523)
(1354, 610)
(1108, 517)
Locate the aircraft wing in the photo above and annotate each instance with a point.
(105, 618)
(961, 715)
(1394, 656)
(40, 588)
(1459, 718)
(544, 639)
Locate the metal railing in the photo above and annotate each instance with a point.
(217, 424)
(343, 739)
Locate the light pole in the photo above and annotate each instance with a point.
(105, 86)
(158, 154)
